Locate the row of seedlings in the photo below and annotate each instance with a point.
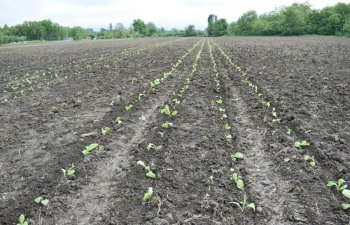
(26, 84)
(235, 156)
(69, 172)
(169, 110)
(339, 185)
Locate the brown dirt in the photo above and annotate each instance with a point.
(306, 80)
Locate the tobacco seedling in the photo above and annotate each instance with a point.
(301, 144)
(289, 131)
(227, 127)
(228, 137)
(128, 107)
(41, 200)
(219, 101)
(149, 173)
(266, 104)
(166, 110)
(243, 205)
(176, 101)
(118, 120)
(148, 195)
(70, 172)
(222, 110)
(88, 149)
(140, 96)
(167, 125)
(105, 130)
(346, 193)
(237, 155)
(161, 134)
(239, 182)
(22, 220)
(151, 146)
(154, 83)
(340, 185)
(310, 160)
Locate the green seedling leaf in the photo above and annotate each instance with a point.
(45, 202)
(274, 114)
(228, 137)
(307, 157)
(237, 155)
(118, 120)
(222, 110)
(219, 101)
(240, 184)
(150, 174)
(176, 101)
(150, 146)
(165, 110)
(227, 127)
(148, 195)
(91, 147)
(38, 199)
(234, 176)
(289, 131)
(345, 206)
(128, 107)
(71, 170)
(346, 193)
(312, 164)
(22, 220)
(174, 113)
(303, 143)
(141, 163)
(331, 184)
(105, 130)
(167, 125)
(252, 206)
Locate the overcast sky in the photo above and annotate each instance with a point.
(164, 13)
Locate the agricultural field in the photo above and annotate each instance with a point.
(242, 130)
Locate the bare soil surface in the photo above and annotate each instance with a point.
(47, 120)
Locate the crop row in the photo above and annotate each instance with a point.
(169, 111)
(30, 82)
(98, 148)
(224, 117)
(299, 144)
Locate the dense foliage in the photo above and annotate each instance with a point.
(297, 19)
(48, 30)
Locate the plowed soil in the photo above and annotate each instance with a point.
(56, 98)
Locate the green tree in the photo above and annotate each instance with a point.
(219, 28)
(140, 27)
(245, 22)
(190, 31)
(152, 28)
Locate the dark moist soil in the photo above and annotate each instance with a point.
(41, 133)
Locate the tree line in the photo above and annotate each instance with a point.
(48, 30)
(296, 19)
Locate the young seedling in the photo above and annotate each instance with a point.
(161, 134)
(148, 195)
(105, 130)
(340, 185)
(166, 110)
(227, 127)
(128, 107)
(228, 137)
(149, 173)
(219, 101)
(140, 96)
(266, 104)
(176, 101)
(41, 200)
(239, 182)
(300, 144)
(222, 110)
(310, 160)
(151, 146)
(346, 193)
(154, 83)
(118, 120)
(274, 113)
(22, 220)
(70, 172)
(167, 125)
(88, 149)
(237, 155)
(289, 131)
(243, 205)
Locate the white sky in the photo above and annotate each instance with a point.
(164, 13)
